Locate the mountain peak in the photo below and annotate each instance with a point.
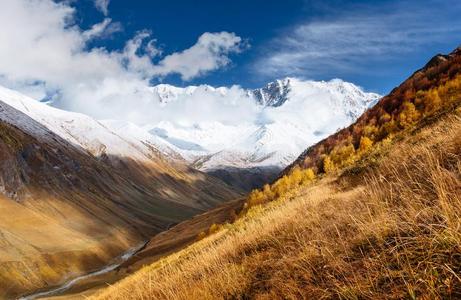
(436, 60)
(457, 51)
(274, 93)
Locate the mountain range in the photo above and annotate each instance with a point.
(286, 116)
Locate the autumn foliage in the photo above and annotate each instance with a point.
(394, 232)
(432, 90)
(297, 177)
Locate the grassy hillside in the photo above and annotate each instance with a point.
(393, 232)
(371, 212)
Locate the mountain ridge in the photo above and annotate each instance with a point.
(295, 112)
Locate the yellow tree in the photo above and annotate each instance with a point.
(281, 186)
(432, 101)
(268, 193)
(256, 197)
(328, 165)
(307, 176)
(409, 115)
(296, 175)
(365, 144)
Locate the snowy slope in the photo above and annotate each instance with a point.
(291, 115)
(141, 138)
(274, 93)
(124, 140)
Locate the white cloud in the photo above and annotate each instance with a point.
(102, 6)
(205, 104)
(100, 30)
(208, 54)
(43, 51)
(152, 49)
(347, 40)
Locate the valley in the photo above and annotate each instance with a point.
(70, 284)
(224, 150)
(273, 132)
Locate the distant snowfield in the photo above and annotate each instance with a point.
(214, 128)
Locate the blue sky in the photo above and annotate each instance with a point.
(100, 57)
(394, 39)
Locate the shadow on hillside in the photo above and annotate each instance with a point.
(107, 198)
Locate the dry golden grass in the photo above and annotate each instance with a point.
(392, 232)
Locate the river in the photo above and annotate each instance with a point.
(58, 290)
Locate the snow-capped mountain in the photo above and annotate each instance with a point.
(102, 139)
(224, 129)
(59, 202)
(289, 115)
